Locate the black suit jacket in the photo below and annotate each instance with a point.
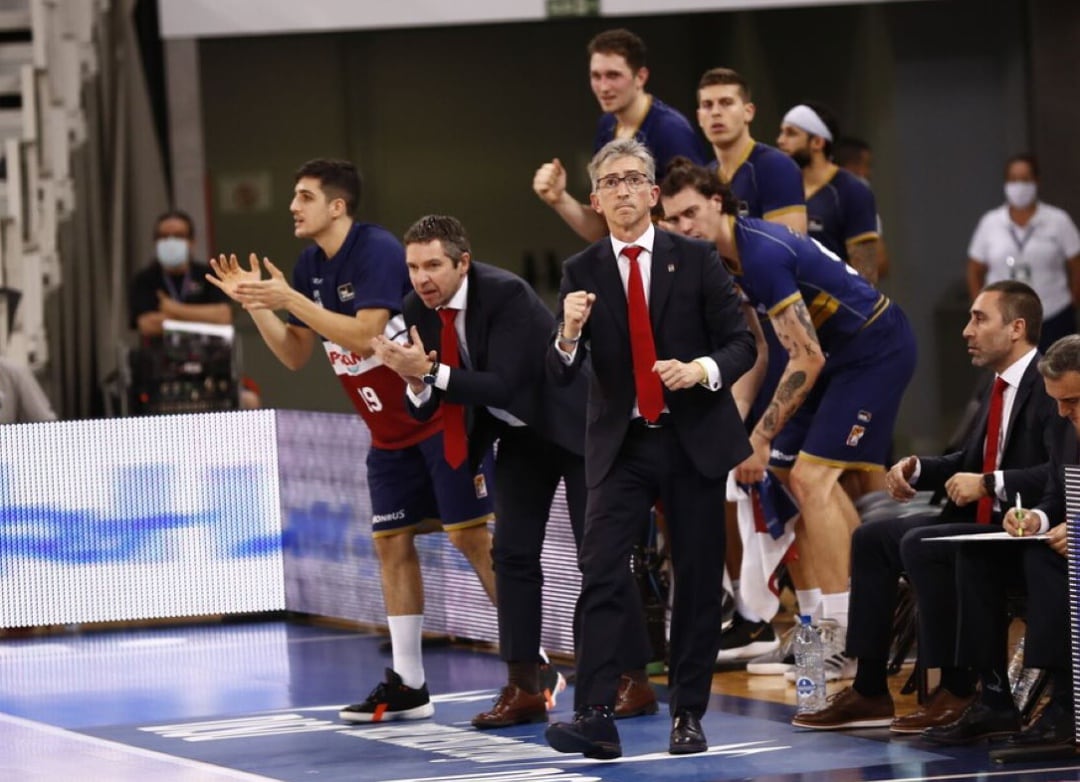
(695, 311)
(1066, 451)
(1031, 435)
(507, 331)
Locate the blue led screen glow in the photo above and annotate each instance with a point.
(138, 518)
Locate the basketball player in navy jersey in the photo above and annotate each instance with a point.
(348, 287)
(618, 74)
(840, 208)
(851, 353)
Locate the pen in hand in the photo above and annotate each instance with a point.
(1019, 516)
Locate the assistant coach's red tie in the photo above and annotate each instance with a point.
(455, 442)
(650, 393)
(990, 451)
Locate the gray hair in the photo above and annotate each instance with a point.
(622, 147)
(1063, 356)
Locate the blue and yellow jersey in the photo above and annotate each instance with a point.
(842, 212)
(766, 182)
(665, 131)
(777, 266)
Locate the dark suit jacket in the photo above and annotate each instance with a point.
(695, 311)
(1031, 435)
(1066, 451)
(508, 329)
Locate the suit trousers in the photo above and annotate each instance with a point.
(652, 465)
(985, 574)
(875, 572)
(932, 568)
(1047, 643)
(527, 473)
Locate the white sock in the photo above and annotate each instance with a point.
(835, 607)
(742, 608)
(809, 602)
(405, 635)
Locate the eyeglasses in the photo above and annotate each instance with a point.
(634, 181)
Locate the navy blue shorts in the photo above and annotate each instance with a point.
(414, 490)
(847, 420)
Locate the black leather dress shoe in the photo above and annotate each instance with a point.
(977, 722)
(592, 733)
(1053, 727)
(687, 737)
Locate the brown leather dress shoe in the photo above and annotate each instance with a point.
(634, 698)
(848, 709)
(941, 708)
(514, 706)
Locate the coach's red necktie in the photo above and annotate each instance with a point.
(990, 451)
(650, 393)
(455, 441)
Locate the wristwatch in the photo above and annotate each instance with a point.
(989, 484)
(432, 373)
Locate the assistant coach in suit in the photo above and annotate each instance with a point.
(662, 324)
(492, 331)
(999, 459)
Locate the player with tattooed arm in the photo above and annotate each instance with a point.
(851, 354)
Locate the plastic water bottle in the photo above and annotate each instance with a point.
(809, 652)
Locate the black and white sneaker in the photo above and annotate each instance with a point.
(551, 684)
(391, 700)
(777, 662)
(745, 640)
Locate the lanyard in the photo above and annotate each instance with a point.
(177, 295)
(1021, 241)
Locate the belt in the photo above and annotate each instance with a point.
(641, 423)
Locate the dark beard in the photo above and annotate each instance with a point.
(801, 158)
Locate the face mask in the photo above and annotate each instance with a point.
(1020, 195)
(172, 251)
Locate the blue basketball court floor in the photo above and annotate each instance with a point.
(259, 701)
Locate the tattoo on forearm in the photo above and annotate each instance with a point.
(768, 421)
(789, 395)
(803, 316)
(863, 257)
(790, 387)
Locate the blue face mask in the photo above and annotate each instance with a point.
(172, 252)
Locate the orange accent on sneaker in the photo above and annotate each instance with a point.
(379, 711)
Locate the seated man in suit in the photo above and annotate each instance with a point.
(492, 331)
(662, 323)
(985, 570)
(1006, 454)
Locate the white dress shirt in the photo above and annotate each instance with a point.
(644, 263)
(1012, 377)
(442, 374)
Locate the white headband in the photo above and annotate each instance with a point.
(804, 117)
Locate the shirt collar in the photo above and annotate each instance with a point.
(458, 300)
(1015, 372)
(644, 241)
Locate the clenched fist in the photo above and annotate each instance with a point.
(576, 309)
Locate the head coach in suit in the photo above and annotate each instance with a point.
(662, 323)
(492, 331)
